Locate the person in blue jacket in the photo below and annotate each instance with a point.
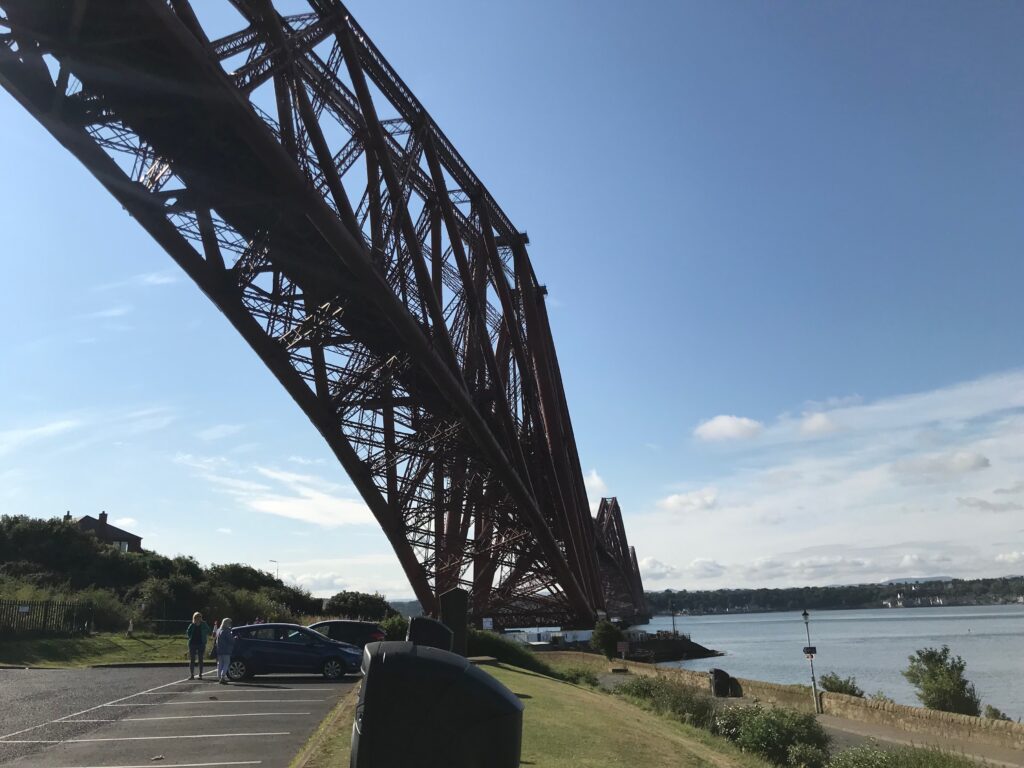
(224, 645)
(197, 633)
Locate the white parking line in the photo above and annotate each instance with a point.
(176, 765)
(232, 689)
(90, 709)
(146, 738)
(191, 717)
(216, 701)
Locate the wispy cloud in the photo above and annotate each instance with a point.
(109, 313)
(302, 497)
(142, 280)
(219, 431)
(14, 439)
(983, 505)
(123, 522)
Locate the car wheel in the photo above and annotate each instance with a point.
(333, 669)
(238, 670)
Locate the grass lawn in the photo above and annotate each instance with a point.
(97, 649)
(565, 726)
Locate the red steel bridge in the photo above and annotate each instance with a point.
(289, 170)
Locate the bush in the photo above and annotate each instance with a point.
(359, 605)
(605, 638)
(728, 721)
(675, 699)
(578, 676)
(395, 627)
(772, 732)
(482, 643)
(806, 756)
(833, 683)
(881, 697)
(995, 713)
(903, 757)
(940, 682)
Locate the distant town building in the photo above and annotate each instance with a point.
(111, 534)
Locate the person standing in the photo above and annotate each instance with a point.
(213, 634)
(197, 633)
(224, 645)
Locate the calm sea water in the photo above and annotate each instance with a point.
(871, 645)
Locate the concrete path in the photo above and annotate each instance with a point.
(178, 723)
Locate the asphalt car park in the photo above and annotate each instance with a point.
(158, 717)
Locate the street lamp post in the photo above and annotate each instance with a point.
(809, 652)
(278, 568)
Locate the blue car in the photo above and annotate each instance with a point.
(262, 649)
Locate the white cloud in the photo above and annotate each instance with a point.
(656, 570)
(596, 490)
(1011, 557)
(790, 511)
(595, 483)
(724, 427)
(225, 531)
(941, 466)
(703, 568)
(694, 501)
(219, 431)
(122, 522)
(817, 424)
(983, 505)
(370, 572)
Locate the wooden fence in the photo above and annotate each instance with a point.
(43, 617)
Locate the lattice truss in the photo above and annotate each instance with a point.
(289, 170)
(622, 585)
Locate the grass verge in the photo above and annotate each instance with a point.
(330, 744)
(566, 726)
(97, 649)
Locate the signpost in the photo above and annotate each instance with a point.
(622, 647)
(809, 651)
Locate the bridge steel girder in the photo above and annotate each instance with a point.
(392, 297)
(620, 573)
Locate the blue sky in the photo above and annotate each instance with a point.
(783, 247)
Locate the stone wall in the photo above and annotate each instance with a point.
(1001, 733)
(798, 697)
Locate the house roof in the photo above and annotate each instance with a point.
(112, 530)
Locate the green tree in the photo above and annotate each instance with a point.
(940, 682)
(833, 683)
(359, 605)
(605, 638)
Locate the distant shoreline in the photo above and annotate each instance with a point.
(744, 612)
